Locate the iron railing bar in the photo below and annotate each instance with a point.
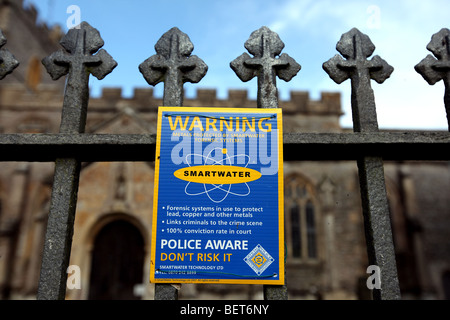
(77, 65)
(174, 65)
(356, 47)
(382, 137)
(297, 146)
(265, 45)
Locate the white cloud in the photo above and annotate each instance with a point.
(400, 31)
(318, 17)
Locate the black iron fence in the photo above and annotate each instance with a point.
(174, 65)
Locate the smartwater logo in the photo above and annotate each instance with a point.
(219, 177)
(222, 155)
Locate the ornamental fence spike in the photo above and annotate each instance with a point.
(7, 61)
(78, 60)
(437, 68)
(356, 47)
(267, 63)
(173, 65)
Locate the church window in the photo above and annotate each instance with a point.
(301, 219)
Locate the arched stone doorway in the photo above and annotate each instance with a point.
(117, 262)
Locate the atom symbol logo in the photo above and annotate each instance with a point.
(217, 192)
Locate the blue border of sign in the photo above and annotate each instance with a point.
(218, 197)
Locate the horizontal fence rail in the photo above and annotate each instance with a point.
(297, 146)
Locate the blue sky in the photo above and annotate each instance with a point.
(400, 30)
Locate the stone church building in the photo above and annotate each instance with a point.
(325, 245)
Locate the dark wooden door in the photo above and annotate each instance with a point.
(117, 262)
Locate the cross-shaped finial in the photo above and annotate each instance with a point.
(434, 70)
(265, 45)
(356, 47)
(78, 60)
(173, 65)
(7, 61)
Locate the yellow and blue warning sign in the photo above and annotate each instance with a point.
(218, 196)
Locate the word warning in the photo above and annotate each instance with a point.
(218, 196)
